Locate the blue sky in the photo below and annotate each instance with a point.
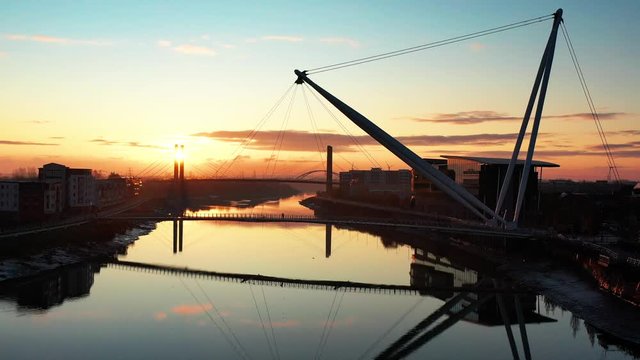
(157, 72)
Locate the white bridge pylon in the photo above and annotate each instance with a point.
(443, 182)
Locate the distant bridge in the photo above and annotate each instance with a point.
(304, 175)
(297, 180)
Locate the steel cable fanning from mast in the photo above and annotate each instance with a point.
(346, 131)
(592, 108)
(280, 138)
(314, 127)
(222, 169)
(429, 45)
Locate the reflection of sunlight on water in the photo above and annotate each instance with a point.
(287, 206)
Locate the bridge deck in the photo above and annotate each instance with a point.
(441, 227)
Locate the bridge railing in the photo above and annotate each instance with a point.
(313, 218)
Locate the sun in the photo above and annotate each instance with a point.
(179, 153)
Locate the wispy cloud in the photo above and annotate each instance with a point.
(54, 40)
(101, 141)
(294, 140)
(588, 116)
(189, 49)
(467, 117)
(480, 116)
(37, 122)
(627, 132)
(148, 146)
(617, 146)
(163, 43)
(56, 137)
(286, 38)
(11, 142)
(340, 41)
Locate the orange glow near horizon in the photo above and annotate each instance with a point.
(106, 104)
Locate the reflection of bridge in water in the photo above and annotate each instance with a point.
(483, 303)
(309, 219)
(466, 295)
(327, 285)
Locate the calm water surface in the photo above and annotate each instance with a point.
(104, 311)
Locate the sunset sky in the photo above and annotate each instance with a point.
(112, 85)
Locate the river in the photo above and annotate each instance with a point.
(103, 311)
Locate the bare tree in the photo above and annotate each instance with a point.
(28, 173)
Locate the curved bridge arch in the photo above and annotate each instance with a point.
(304, 175)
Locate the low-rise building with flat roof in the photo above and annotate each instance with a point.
(377, 182)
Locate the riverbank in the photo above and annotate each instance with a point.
(70, 221)
(548, 266)
(51, 250)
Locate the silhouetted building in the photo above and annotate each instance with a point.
(377, 183)
(423, 185)
(9, 192)
(623, 188)
(24, 201)
(483, 176)
(77, 186)
(111, 191)
(81, 188)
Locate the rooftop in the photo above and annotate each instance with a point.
(499, 161)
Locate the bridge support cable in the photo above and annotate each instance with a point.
(538, 92)
(280, 138)
(149, 170)
(314, 127)
(238, 352)
(331, 326)
(199, 171)
(348, 133)
(443, 182)
(594, 114)
(264, 330)
(149, 166)
(273, 335)
(162, 170)
(366, 353)
(429, 45)
(227, 164)
(328, 325)
(224, 322)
